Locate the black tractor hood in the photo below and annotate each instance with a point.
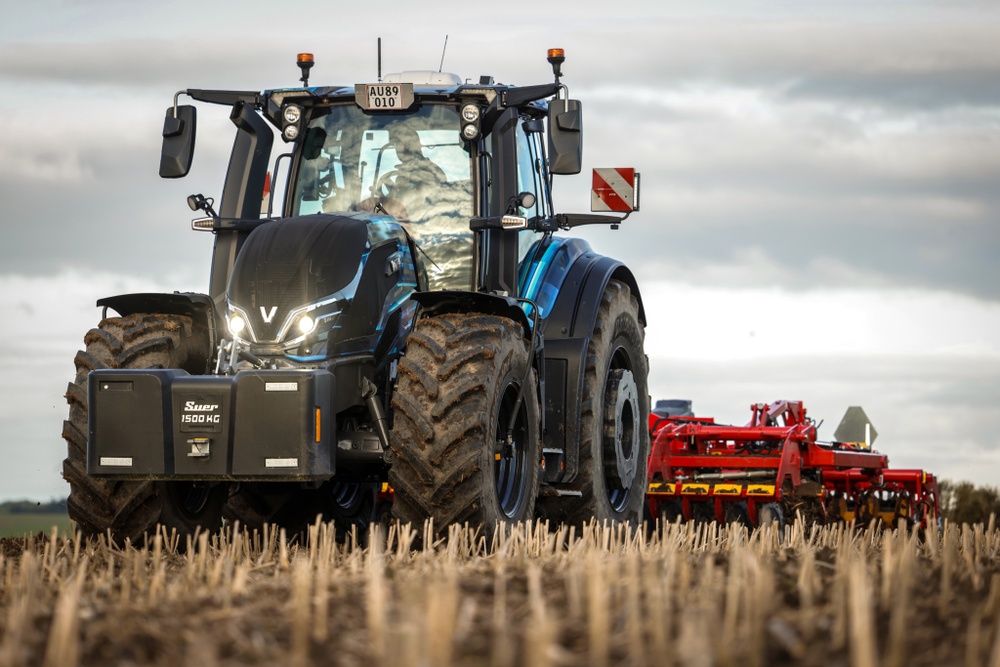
(293, 263)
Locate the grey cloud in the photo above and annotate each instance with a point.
(137, 240)
(231, 61)
(905, 90)
(94, 201)
(745, 188)
(175, 63)
(914, 61)
(777, 248)
(909, 62)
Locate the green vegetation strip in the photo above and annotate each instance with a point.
(20, 518)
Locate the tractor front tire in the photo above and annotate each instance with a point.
(454, 459)
(131, 510)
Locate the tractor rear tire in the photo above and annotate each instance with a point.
(452, 459)
(614, 440)
(131, 510)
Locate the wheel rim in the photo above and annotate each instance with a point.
(621, 431)
(510, 462)
(770, 513)
(192, 497)
(347, 496)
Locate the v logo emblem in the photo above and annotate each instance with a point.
(268, 315)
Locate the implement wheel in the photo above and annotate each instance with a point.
(132, 509)
(771, 514)
(465, 435)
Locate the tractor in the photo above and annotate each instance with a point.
(408, 321)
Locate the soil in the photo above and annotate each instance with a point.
(685, 595)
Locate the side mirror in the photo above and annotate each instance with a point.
(565, 137)
(178, 142)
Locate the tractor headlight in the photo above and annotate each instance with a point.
(470, 113)
(470, 132)
(237, 324)
(306, 324)
(292, 114)
(291, 120)
(470, 121)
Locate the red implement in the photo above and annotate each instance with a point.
(772, 468)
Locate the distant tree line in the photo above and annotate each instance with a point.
(54, 506)
(964, 502)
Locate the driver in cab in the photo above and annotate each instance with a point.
(435, 212)
(415, 171)
(408, 191)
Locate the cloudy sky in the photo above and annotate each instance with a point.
(820, 206)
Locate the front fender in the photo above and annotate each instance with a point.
(199, 307)
(447, 301)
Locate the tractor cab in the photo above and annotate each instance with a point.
(459, 165)
(411, 164)
(428, 150)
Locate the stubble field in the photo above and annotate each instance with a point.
(686, 595)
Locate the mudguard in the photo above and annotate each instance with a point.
(567, 280)
(473, 302)
(199, 307)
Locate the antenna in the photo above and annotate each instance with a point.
(380, 60)
(441, 67)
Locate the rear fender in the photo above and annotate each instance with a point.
(567, 331)
(575, 310)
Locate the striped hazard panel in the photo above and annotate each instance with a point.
(613, 190)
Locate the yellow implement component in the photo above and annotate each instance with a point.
(728, 490)
(760, 490)
(662, 488)
(837, 508)
(694, 489)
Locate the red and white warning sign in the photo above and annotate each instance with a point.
(614, 190)
(265, 203)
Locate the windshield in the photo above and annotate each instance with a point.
(412, 166)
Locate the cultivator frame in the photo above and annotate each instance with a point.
(908, 494)
(774, 467)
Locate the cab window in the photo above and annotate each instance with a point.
(529, 179)
(412, 166)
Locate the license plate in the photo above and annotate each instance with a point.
(383, 96)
